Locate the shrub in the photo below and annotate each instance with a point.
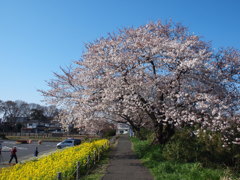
(3, 136)
(144, 149)
(108, 133)
(144, 134)
(183, 147)
(151, 155)
(213, 150)
(207, 148)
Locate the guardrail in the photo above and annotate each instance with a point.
(50, 135)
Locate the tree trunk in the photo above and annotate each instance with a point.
(163, 133)
(139, 135)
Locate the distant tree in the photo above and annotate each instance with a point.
(51, 112)
(19, 127)
(1, 106)
(38, 114)
(35, 106)
(11, 111)
(23, 108)
(14, 109)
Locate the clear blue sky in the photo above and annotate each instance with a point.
(39, 36)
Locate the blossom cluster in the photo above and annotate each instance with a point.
(160, 72)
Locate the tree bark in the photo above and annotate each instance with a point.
(163, 133)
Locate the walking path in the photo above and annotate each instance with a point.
(124, 164)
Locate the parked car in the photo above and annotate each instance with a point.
(68, 143)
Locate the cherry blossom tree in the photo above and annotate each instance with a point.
(158, 71)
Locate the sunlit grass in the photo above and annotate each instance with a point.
(151, 156)
(99, 171)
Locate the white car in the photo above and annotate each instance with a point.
(68, 143)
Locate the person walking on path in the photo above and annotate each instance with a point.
(0, 148)
(36, 152)
(1, 158)
(124, 164)
(13, 154)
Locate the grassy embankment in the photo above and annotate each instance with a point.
(100, 170)
(152, 158)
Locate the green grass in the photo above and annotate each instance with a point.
(151, 156)
(99, 170)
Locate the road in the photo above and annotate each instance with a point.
(24, 151)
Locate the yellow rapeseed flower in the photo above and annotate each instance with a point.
(46, 168)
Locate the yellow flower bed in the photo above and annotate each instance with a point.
(61, 161)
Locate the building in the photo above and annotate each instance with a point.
(41, 127)
(122, 128)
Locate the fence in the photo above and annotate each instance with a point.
(46, 135)
(91, 162)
